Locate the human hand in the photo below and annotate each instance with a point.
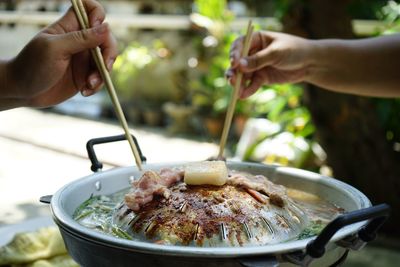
(56, 63)
(273, 58)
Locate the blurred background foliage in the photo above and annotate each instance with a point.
(389, 109)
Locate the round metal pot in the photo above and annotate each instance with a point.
(90, 248)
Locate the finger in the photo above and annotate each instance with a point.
(247, 92)
(77, 41)
(94, 80)
(87, 92)
(258, 42)
(259, 60)
(256, 82)
(109, 51)
(246, 80)
(247, 77)
(69, 22)
(232, 79)
(95, 12)
(91, 91)
(235, 51)
(229, 73)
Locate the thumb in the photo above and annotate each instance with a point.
(259, 60)
(74, 42)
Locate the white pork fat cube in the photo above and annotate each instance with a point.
(206, 172)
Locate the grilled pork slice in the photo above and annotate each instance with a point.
(259, 183)
(153, 183)
(150, 184)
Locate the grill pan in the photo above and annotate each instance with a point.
(350, 231)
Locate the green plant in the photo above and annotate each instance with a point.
(389, 109)
(211, 91)
(128, 65)
(282, 104)
(292, 140)
(149, 75)
(390, 14)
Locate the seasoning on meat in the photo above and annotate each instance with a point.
(258, 196)
(151, 184)
(259, 184)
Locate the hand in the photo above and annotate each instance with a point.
(273, 58)
(56, 64)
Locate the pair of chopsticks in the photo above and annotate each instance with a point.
(235, 93)
(83, 19)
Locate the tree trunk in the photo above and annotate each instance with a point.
(347, 126)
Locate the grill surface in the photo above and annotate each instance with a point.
(212, 216)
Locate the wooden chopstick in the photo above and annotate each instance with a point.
(235, 93)
(83, 19)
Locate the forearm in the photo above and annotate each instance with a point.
(7, 87)
(3, 78)
(364, 67)
(10, 103)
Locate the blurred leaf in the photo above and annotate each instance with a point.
(390, 14)
(276, 108)
(308, 130)
(389, 109)
(214, 9)
(250, 150)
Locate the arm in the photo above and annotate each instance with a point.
(56, 63)
(7, 102)
(363, 67)
(368, 67)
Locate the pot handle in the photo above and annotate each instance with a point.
(316, 247)
(46, 199)
(96, 164)
(377, 214)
